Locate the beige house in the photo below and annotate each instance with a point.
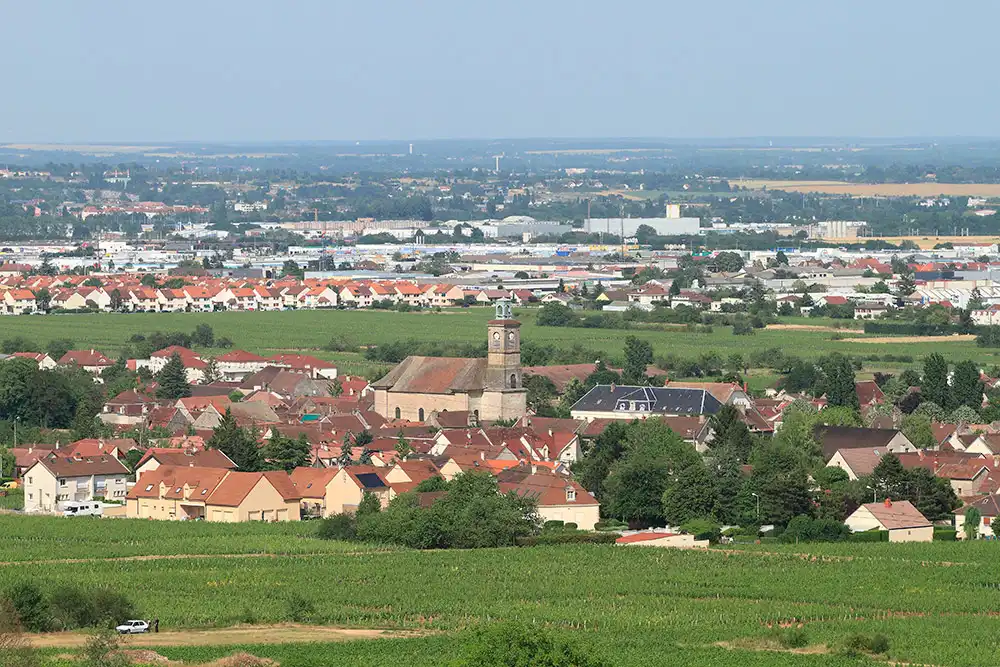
(54, 480)
(989, 510)
(171, 456)
(349, 486)
(181, 493)
(559, 498)
(654, 538)
(857, 462)
(488, 388)
(903, 521)
(314, 485)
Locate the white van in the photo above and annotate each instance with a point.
(90, 508)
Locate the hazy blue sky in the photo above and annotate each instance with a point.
(366, 69)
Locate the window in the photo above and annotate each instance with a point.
(570, 494)
(513, 381)
(397, 413)
(62, 482)
(420, 414)
(29, 480)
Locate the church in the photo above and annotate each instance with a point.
(488, 389)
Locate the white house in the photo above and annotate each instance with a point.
(903, 521)
(55, 480)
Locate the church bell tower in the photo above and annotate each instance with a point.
(503, 359)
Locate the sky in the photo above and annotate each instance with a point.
(300, 70)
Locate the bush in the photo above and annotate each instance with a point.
(565, 537)
(945, 534)
(299, 609)
(610, 524)
(553, 525)
(792, 638)
(702, 529)
(514, 643)
(571, 526)
(29, 603)
(857, 644)
(870, 536)
(337, 527)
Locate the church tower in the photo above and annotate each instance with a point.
(503, 358)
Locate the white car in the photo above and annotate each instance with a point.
(133, 627)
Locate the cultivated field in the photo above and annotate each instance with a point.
(876, 189)
(631, 606)
(308, 331)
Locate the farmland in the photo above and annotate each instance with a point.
(876, 189)
(632, 606)
(309, 331)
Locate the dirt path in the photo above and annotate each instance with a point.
(955, 338)
(114, 559)
(810, 327)
(245, 634)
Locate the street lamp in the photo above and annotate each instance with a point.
(874, 493)
(758, 504)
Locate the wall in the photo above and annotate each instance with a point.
(584, 516)
(925, 534)
(39, 490)
(264, 503)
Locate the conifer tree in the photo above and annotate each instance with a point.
(173, 379)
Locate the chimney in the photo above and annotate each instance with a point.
(888, 502)
(920, 454)
(550, 433)
(482, 456)
(612, 387)
(534, 469)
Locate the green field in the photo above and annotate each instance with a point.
(309, 331)
(936, 602)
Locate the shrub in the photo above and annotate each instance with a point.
(857, 644)
(571, 526)
(610, 524)
(702, 529)
(870, 536)
(945, 534)
(337, 527)
(566, 537)
(792, 638)
(29, 603)
(553, 525)
(518, 644)
(299, 609)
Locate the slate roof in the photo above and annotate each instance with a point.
(654, 400)
(435, 375)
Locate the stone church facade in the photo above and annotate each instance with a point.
(488, 389)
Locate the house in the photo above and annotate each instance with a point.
(857, 462)
(17, 302)
(304, 363)
(181, 493)
(349, 486)
(237, 364)
(833, 438)
(44, 361)
(633, 402)
(989, 510)
(172, 456)
(55, 480)
(127, 409)
(869, 393)
(404, 476)
(91, 361)
(903, 521)
(558, 498)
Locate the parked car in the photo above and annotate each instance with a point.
(133, 627)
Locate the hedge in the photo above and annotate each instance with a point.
(871, 536)
(945, 534)
(581, 537)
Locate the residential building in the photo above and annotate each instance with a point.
(903, 521)
(54, 480)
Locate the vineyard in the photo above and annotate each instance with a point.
(937, 602)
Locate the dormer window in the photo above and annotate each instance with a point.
(570, 494)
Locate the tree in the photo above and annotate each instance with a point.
(691, 496)
(742, 326)
(541, 391)
(203, 335)
(781, 482)
(838, 381)
(116, 303)
(966, 385)
(729, 262)
(236, 443)
(638, 355)
(30, 605)
(402, 447)
(934, 383)
(929, 409)
(42, 300)
(103, 650)
(513, 644)
(172, 379)
(58, 347)
(336, 387)
(346, 457)
(730, 434)
(556, 315)
(917, 429)
(369, 504)
(963, 414)
(211, 373)
(284, 453)
(904, 288)
(781, 259)
(889, 478)
(970, 527)
(561, 287)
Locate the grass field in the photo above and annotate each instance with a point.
(308, 331)
(876, 189)
(632, 606)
